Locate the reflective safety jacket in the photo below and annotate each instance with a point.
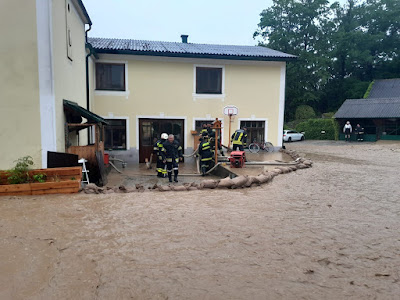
(171, 151)
(158, 148)
(239, 137)
(205, 151)
(204, 132)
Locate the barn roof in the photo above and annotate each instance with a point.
(378, 108)
(385, 88)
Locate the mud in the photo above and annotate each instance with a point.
(327, 232)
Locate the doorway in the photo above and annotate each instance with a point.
(150, 131)
(255, 131)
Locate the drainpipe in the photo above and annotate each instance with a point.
(87, 75)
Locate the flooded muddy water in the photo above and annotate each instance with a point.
(328, 232)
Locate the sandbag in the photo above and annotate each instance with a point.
(225, 183)
(308, 163)
(178, 188)
(210, 184)
(251, 180)
(164, 188)
(277, 171)
(263, 178)
(239, 182)
(89, 191)
(302, 166)
(293, 168)
(192, 188)
(91, 186)
(284, 169)
(270, 173)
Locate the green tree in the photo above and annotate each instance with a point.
(297, 27)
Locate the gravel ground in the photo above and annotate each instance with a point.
(328, 232)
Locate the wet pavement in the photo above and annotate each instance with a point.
(327, 232)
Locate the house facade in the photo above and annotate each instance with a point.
(145, 88)
(42, 55)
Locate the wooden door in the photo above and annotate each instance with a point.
(150, 131)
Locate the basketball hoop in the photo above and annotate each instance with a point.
(230, 110)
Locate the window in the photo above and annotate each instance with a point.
(208, 80)
(110, 77)
(255, 130)
(115, 135)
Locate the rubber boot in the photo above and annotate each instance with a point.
(170, 176)
(203, 171)
(176, 175)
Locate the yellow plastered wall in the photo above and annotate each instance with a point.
(160, 88)
(69, 76)
(19, 83)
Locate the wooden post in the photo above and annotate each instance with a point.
(217, 127)
(229, 136)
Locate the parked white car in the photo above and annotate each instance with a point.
(291, 136)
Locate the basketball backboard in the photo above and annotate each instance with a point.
(230, 110)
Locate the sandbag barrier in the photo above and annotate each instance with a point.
(242, 181)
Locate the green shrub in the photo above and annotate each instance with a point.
(19, 174)
(328, 115)
(304, 112)
(314, 127)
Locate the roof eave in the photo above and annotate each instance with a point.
(83, 12)
(194, 55)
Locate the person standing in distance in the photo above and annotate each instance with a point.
(172, 154)
(347, 130)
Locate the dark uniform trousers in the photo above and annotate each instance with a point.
(171, 153)
(206, 157)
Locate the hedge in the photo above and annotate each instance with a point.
(304, 112)
(313, 128)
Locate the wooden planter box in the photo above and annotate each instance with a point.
(59, 181)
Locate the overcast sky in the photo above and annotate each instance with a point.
(205, 21)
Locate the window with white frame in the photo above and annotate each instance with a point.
(110, 77)
(209, 80)
(115, 134)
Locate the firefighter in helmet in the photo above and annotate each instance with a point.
(206, 155)
(157, 150)
(204, 131)
(172, 154)
(239, 139)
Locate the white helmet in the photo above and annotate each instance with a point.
(164, 136)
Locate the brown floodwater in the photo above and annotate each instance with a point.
(328, 232)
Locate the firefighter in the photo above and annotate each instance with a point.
(204, 131)
(157, 150)
(239, 139)
(206, 156)
(172, 154)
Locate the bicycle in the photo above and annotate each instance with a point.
(255, 147)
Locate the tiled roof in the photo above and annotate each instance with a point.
(386, 88)
(157, 48)
(369, 108)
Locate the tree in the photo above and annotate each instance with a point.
(340, 48)
(296, 27)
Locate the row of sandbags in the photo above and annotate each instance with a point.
(226, 183)
(243, 181)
